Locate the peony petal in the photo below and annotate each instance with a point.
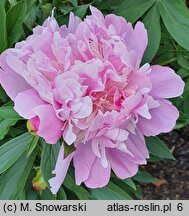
(96, 16)
(117, 134)
(137, 40)
(73, 23)
(121, 165)
(144, 111)
(99, 176)
(139, 81)
(68, 134)
(50, 127)
(83, 161)
(165, 82)
(82, 107)
(60, 171)
(26, 101)
(136, 145)
(12, 82)
(163, 119)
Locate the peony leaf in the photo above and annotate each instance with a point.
(11, 151)
(183, 61)
(183, 72)
(183, 118)
(68, 149)
(133, 9)
(144, 177)
(130, 183)
(176, 19)
(8, 112)
(14, 179)
(158, 148)
(61, 195)
(32, 145)
(15, 19)
(47, 195)
(81, 192)
(5, 125)
(3, 31)
(81, 10)
(48, 160)
(152, 24)
(110, 192)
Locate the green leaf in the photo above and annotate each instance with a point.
(8, 112)
(30, 4)
(107, 4)
(158, 147)
(153, 158)
(186, 89)
(5, 125)
(31, 18)
(130, 183)
(30, 193)
(81, 10)
(61, 195)
(68, 149)
(144, 177)
(12, 2)
(3, 31)
(15, 19)
(47, 195)
(73, 2)
(46, 9)
(186, 107)
(32, 145)
(11, 151)
(152, 24)
(81, 192)
(183, 61)
(110, 192)
(183, 117)
(183, 72)
(62, 19)
(132, 10)
(14, 179)
(65, 9)
(48, 160)
(176, 19)
(138, 193)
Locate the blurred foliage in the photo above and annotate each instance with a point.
(23, 155)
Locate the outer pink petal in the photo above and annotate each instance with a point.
(68, 134)
(26, 101)
(10, 80)
(83, 161)
(73, 23)
(165, 82)
(60, 171)
(50, 127)
(121, 165)
(119, 23)
(99, 176)
(136, 145)
(137, 40)
(163, 119)
(97, 16)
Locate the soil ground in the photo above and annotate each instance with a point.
(174, 174)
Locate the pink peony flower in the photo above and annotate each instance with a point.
(84, 83)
